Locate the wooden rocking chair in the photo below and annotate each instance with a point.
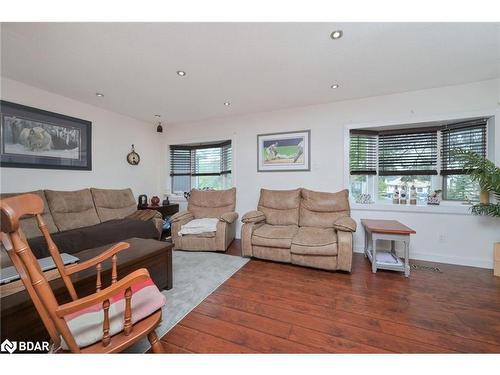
(108, 321)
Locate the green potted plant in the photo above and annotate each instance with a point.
(487, 174)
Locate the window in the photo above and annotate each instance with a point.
(201, 166)
(466, 136)
(407, 152)
(380, 161)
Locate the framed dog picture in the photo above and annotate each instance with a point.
(284, 152)
(34, 138)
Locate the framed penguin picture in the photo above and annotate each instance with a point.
(284, 152)
(34, 138)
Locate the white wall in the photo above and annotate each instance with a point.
(467, 240)
(112, 137)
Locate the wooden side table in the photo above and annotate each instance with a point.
(391, 230)
(165, 211)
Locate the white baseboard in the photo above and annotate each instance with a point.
(435, 257)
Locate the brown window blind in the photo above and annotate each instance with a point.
(407, 152)
(470, 135)
(363, 152)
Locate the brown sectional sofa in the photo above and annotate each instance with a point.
(302, 227)
(207, 204)
(85, 219)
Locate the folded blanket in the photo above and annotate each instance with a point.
(198, 226)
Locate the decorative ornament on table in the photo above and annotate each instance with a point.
(434, 198)
(155, 201)
(133, 157)
(395, 198)
(403, 195)
(143, 201)
(166, 201)
(413, 195)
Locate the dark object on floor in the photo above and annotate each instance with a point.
(423, 267)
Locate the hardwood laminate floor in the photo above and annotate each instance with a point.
(270, 307)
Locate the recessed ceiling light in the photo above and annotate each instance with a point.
(337, 34)
(335, 86)
(181, 73)
(227, 104)
(99, 94)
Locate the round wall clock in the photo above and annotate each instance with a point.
(133, 157)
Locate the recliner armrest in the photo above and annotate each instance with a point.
(229, 217)
(183, 215)
(253, 217)
(345, 224)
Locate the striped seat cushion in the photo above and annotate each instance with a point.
(86, 324)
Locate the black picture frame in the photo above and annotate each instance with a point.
(35, 138)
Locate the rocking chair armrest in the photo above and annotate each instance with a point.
(106, 254)
(101, 296)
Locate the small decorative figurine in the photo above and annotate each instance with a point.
(155, 201)
(403, 195)
(413, 195)
(434, 198)
(143, 201)
(395, 198)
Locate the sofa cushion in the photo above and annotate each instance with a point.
(29, 225)
(75, 240)
(281, 207)
(72, 209)
(212, 203)
(322, 209)
(275, 254)
(113, 204)
(86, 325)
(315, 241)
(274, 235)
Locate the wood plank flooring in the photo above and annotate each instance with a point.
(270, 307)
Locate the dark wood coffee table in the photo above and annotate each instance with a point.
(19, 319)
(391, 230)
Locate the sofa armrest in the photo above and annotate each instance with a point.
(246, 237)
(344, 251)
(345, 224)
(181, 216)
(253, 217)
(229, 217)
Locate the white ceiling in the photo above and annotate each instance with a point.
(256, 66)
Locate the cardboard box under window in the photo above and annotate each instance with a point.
(496, 260)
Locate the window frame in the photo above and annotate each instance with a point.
(227, 175)
(437, 181)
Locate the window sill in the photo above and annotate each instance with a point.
(443, 208)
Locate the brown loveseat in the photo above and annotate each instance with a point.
(85, 219)
(207, 204)
(302, 227)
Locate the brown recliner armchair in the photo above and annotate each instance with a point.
(302, 227)
(207, 204)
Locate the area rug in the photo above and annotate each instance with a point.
(196, 275)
